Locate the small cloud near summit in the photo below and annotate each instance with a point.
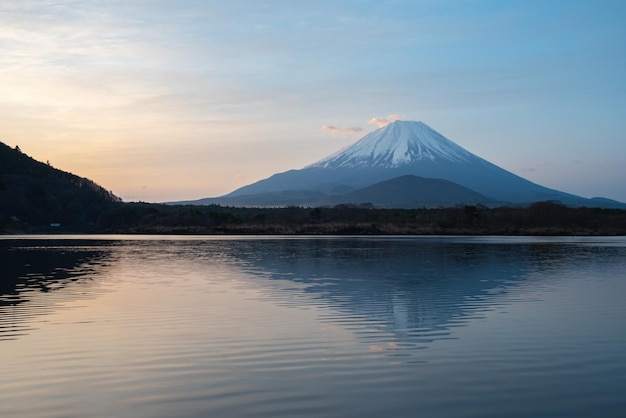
(341, 130)
(384, 120)
(380, 121)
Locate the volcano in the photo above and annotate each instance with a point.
(401, 148)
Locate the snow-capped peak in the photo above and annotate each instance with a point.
(396, 144)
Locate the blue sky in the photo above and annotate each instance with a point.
(171, 100)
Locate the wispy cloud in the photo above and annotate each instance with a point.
(381, 121)
(535, 167)
(334, 130)
(350, 130)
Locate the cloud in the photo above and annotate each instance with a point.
(539, 166)
(384, 120)
(380, 121)
(341, 130)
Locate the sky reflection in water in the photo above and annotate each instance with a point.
(145, 326)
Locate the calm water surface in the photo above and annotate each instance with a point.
(164, 326)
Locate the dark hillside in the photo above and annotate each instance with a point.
(34, 195)
(413, 192)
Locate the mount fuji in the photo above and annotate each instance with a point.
(406, 150)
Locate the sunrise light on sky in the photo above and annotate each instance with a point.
(176, 100)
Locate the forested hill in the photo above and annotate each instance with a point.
(35, 194)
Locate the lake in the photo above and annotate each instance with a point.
(197, 326)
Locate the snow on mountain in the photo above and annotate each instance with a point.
(398, 143)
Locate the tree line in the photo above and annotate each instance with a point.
(541, 218)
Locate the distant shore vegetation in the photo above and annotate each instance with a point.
(541, 218)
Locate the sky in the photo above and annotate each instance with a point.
(176, 100)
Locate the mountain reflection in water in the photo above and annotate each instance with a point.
(35, 278)
(413, 290)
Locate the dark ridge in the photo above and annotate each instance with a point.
(36, 195)
(411, 191)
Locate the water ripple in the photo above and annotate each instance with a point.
(188, 327)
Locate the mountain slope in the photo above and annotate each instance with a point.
(402, 192)
(399, 149)
(37, 194)
(410, 148)
(410, 192)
